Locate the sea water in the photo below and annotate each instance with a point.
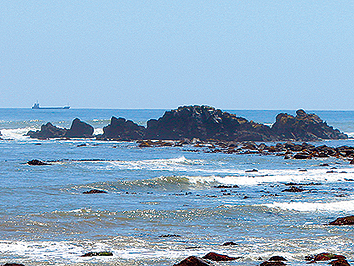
(164, 204)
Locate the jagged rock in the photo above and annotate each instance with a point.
(37, 162)
(205, 123)
(304, 127)
(192, 261)
(325, 257)
(79, 129)
(349, 220)
(122, 129)
(218, 257)
(47, 131)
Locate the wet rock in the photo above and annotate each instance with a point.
(352, 161)
(339, 262)
(122, 129)
(304, 127)
(302, 156)
(251, 171)
(226, 186)
(325, 257)
(37, 162)
(47, 131)
(94, 191)
(204, 122)
(170, 235)
(193, 261)
(218, 257)
(293, 189)
(79, 129)
(349, 220)
(229, 244)
(100, 253)
(277, 258)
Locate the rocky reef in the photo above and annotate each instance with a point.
(78, 129)
(204, 123)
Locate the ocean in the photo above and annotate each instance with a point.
(164, 204)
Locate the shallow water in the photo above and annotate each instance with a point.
(163, 204)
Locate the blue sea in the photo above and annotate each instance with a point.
(164, 204)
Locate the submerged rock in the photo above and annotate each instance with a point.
(193, 261)
(349, 220)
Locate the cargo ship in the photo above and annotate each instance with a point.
(36, 106)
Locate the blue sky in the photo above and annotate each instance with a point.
(163, 54)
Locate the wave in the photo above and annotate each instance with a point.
(337, 206)
(16, 134)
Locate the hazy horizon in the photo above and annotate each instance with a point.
(232, 55)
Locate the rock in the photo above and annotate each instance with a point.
(122, 129)
(349, 220)
(192, 261)
(251, 171)
(37, 162)
(204, 122)
(339, 262)
(101, 253)
(325, 257)
(229, 244)
(304, 127)
(79, 129)
(170, 235)
(352, 161)
(293, 189)
(277, 258)
(94, 191)
(47, 131)
(302, 156)
(218, 257)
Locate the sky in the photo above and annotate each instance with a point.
(163, 54)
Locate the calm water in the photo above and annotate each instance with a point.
(45, 219)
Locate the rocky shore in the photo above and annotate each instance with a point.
(204, 123)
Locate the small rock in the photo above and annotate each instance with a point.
(277, 258)
(339, 262)
(170, 235)
(37, 162)
(94, 191)
(293, 189)
(229, 244)
(101, 253)
(13, 264)
(349, 220)
(251, 171)
(326, 256)
(272, 263)
(192, 261)
(218, 257)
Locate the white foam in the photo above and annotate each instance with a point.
(16, 134)
(98, 131)
(337, 206)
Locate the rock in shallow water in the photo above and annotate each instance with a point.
(218, 257)
(193, 261)
(349, 220)
(101, 253)
(37, 162)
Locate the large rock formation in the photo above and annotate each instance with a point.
(79, 129)
(48, 131)
(122, 129)
(304, 127)
(205, 123)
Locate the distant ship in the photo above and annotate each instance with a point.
(36, 106)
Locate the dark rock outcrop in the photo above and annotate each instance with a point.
(193, 261)
(94, 191)
(122, 129)
(205, 123)
(37, 162)
(349, 220)
(94, 254)
(13, 264)
(218, 257)
(48, 131)
(304, 127)
(79, 129)
(325, 256)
